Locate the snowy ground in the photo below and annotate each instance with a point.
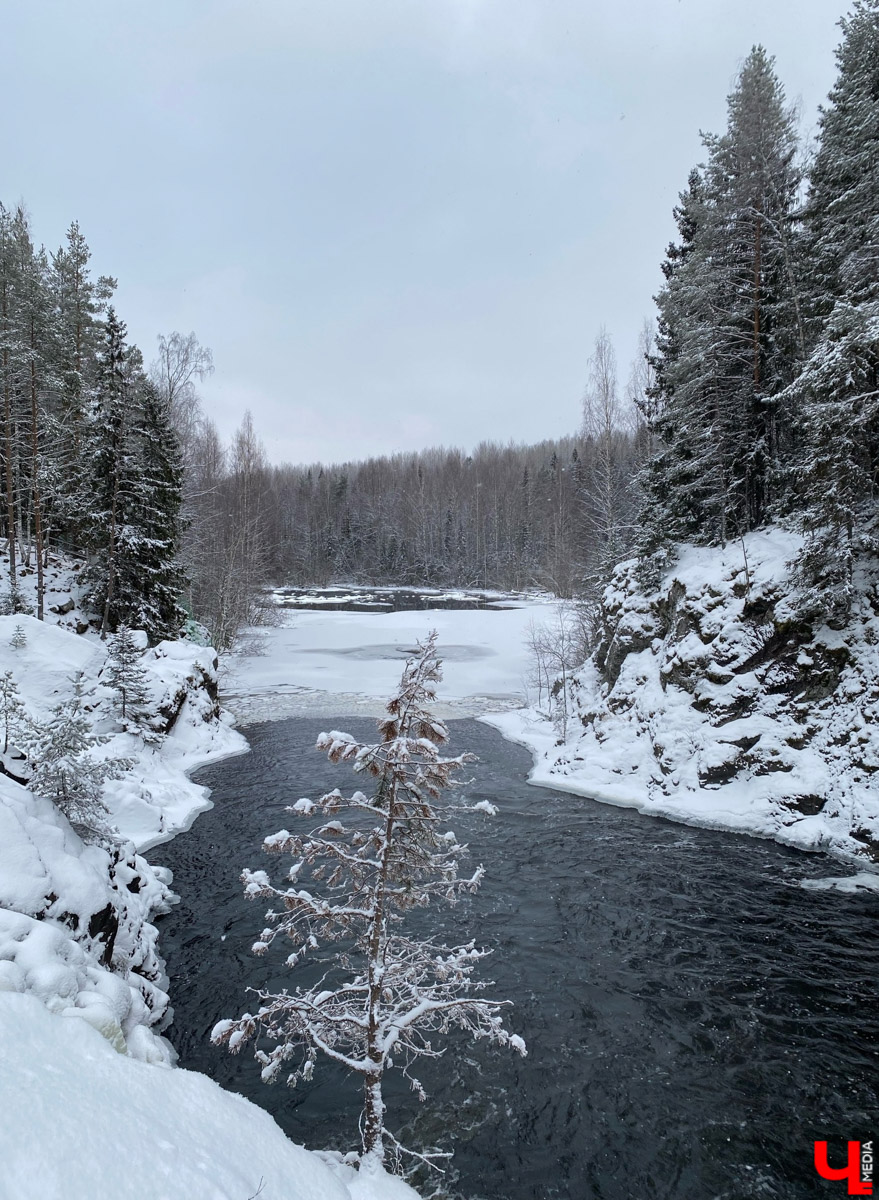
(329, 664)
(83, 1122)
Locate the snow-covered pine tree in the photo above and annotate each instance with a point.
(79, 304)
(19, 638)
(837, 394)
(14, 719)
(126, 675)
(109, 458)
(673, 494)
(158, 576)
(37, 383)
(729, 326)
(13, 369)
(135, 495)
(841, 230)
(66, 772)
(389, 990)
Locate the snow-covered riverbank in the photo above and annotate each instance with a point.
(709, 702)
(90, 1106)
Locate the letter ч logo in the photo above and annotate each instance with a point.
(858, 1170)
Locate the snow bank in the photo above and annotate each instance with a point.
(81, 1122)
(76, 926)
(154, 799)
(709, 702)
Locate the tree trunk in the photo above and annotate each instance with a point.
(35, 481)
(373, 1117)
(7, 438)
(373, 1107)
(111, 562)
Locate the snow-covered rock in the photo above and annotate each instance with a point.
(75, 925)
(710, 701)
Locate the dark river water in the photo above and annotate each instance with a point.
(695, 1020)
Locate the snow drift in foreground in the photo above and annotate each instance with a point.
(708, 701)
(82, 1122)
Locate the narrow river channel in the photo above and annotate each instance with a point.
(695, 1019)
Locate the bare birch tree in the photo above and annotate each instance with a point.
(606, 491)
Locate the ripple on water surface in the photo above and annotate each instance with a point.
(695, 1019)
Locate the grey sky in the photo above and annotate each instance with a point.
(397, 223)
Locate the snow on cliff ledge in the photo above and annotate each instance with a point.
(709, 702)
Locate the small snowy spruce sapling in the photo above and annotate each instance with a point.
(19, 638)
(14, 720)
(13, 602)
(387, 993)
(66, 772)
(125, 674)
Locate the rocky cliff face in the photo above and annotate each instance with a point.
(710, 701)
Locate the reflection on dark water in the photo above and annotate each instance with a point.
(694, 1019)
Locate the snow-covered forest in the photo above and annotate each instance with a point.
(731, 676)
(710, 532)
(751, 401)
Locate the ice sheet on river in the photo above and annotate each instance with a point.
(341, 662)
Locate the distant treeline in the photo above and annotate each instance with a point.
(504, 516)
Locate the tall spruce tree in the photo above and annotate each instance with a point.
(841, 233)
(109, 463)
(136, 482)
(837, 393)
(156, 496)
(728, 326)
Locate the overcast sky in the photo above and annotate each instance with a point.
(397, 223)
